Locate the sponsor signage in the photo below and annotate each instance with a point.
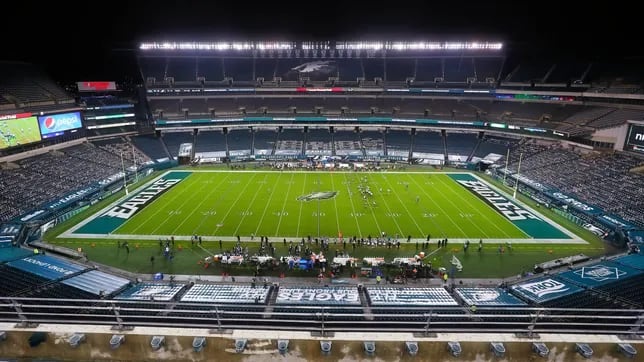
(545, 289)
(530, 182)
(615, 222)
(319, 296)
(410, 296)
(95, 86)
(132, 205)
(510, 210)
(604, 273)
(488, 297)
(46, 266)
(112, 179)
(599, 273)
(571, 201)
(56, 124)
(5, 117)
(68, 199)
(32, 215)
(9, 229)
(635, 138)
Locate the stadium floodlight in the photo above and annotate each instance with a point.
(360, 45)
(322, 45)
(417, 45)
(216, 46)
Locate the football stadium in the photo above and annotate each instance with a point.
(324, 200)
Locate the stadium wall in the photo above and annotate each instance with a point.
(615, 135)
(40, 151)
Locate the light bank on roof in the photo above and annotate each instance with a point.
(339, 47)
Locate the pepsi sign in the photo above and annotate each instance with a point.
(56, 124)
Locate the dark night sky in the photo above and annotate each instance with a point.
(79, 45)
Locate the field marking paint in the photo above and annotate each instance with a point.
(477, 210)
(435, 203)
(259, 224)
(375, 219)
(353, 208)
(221, 196)
(299, 218)
(154, 238)
(288, 191)
(483, 232)
(187, 199)
(204, 199)
(230, 208)
(522, 204)
(404, 205)
(389, 211)
(163, 208)
(69, 232)
(335, 204)
(248, 210)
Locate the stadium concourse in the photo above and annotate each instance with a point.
(559, 136)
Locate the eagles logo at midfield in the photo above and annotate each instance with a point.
(321, 195)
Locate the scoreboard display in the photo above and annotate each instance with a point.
(635, 138)
(96, 86)
(18, 129)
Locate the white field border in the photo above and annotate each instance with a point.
(69, 233)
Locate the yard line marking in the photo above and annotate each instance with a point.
(180, 207)
(204, 199)
(375, 219)
(355, 216)
(439, 206)
(483, 232)
(476, 225)
(230, 208)
(279, 222)
(403, 204)
(162, 208)
(335, 204)
(460, 196)
(259, 224)
(389, 211)
(299, 218)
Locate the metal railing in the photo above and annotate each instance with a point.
(122, 314)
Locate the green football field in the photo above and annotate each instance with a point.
(325, 204)
(18, 132)
(221, 204)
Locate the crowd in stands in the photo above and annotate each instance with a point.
(601, 180)
(33, 181)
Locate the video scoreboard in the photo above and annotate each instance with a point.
(635, 138)
(18, 130)
(26, 128)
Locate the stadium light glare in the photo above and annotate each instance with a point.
(312, 45)
(216, 46)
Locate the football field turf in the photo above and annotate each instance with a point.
(301, 204)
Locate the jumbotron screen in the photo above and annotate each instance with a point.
(56, 124)
(18, 129)
(635, 138)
